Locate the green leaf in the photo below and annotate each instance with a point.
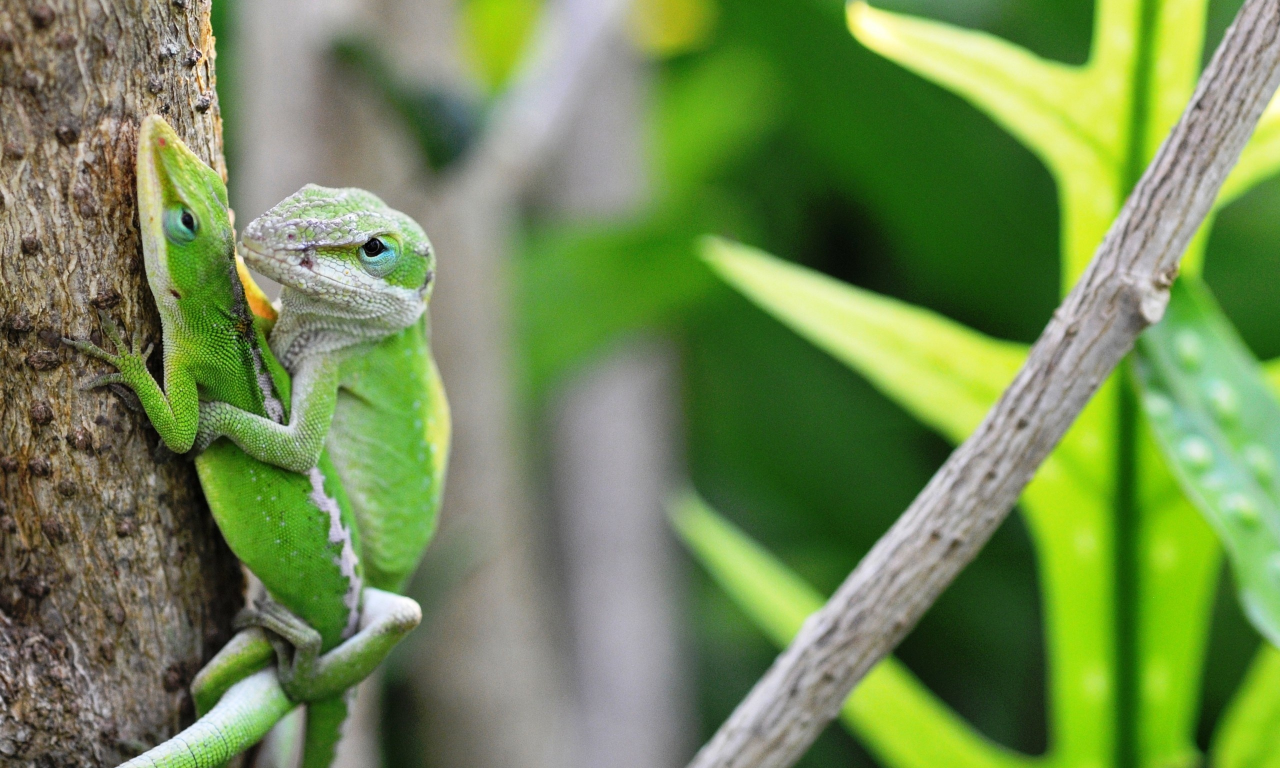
(943, 373)
(494, 33)
(891, 710)
(1249, 733)
(1271, 372)
(1218, 425)
(710, 116)
(623, 278)
(1045, 104)
(643, 271)
(1065, 115)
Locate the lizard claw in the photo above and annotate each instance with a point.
(274, 617)
(128, 397)
(90, 349)
(112, 331)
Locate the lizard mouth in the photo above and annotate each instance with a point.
(269, 262)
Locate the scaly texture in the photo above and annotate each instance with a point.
(357, 276)
(242, 717)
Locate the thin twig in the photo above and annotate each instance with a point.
(1124, 290)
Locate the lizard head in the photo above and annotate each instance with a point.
(345, 248)
(187, 238)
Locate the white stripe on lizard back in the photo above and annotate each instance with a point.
(346, 559)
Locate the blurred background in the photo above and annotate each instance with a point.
(564, 156)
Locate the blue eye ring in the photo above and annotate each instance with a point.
(378, 256)
(180, 224)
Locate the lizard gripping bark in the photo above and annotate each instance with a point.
(293, 529)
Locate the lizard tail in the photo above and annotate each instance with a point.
(324, 728)
(243, 716)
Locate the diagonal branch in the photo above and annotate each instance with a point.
(1124, 290)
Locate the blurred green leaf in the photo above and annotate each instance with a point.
(898, 717)
(672, 27)
(1218, 426)
(1249, 735)
(494, 35)
(943, 373)
(1271, 371)
(620, 279)
(642, 271)
(709, 116)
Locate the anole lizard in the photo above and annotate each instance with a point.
(352, 331)
(292, 530)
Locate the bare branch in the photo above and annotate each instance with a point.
(1124, 290)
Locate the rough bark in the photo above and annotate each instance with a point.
(1124, 289)
(114, 583)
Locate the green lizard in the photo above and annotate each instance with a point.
(293, 530)
(352, 332)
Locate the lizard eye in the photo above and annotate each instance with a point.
(378, 256)
(180, 224)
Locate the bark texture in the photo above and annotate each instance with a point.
(114, 583)
(1124, 289)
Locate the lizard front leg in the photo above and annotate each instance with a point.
(295, 446)
(174, 413)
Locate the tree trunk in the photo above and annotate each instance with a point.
(114, 584)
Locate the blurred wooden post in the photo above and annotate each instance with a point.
(612, 456)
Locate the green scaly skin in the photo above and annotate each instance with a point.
(293, 530)
(352, 332)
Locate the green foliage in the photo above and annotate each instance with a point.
(1218, 425)
(1247, 736)
(1127, 567)
(495, 34)
(891, 709)
(943, 373)
(644, 271)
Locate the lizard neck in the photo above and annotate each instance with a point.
(309, 326)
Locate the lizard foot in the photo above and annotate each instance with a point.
(125, 358)
(297, 644)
